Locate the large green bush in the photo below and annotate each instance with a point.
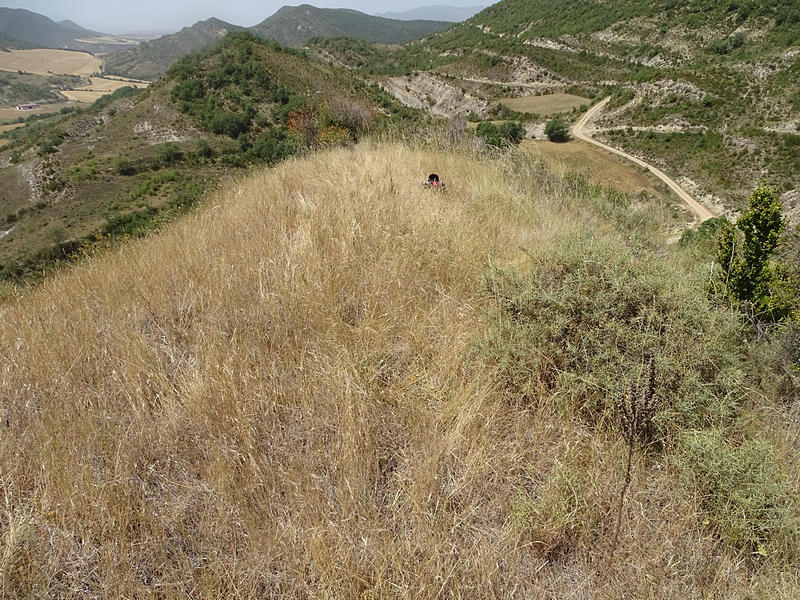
(506, 134)
(556, 130)
(577, 321)
(743, 492)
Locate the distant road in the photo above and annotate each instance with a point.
(579, 131)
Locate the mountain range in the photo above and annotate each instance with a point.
(290, 26)
(295, 25)
(439, 12)
(21, 28)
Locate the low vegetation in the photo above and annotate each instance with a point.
(317, 379)
(509, 133)
(217, 402)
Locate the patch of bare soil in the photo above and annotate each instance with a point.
(791, 204)
(158, 134)
(427, 92)
(714, 203)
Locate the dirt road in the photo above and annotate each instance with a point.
(579, 131)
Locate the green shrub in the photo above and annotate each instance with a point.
(227, 123)
(743, 492)
(490, 134)
(203, 149)
(188, 90)
(577, 320)
(556, 130)
(123, 166)
(512, 132)
(274, 145)
(169, 154)
(747, 276)
(507, 134)
(705, 233)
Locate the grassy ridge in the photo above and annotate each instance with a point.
(329, 382)
(133, 157)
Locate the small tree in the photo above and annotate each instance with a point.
(507, 134)
(123, 166)
(488, 131)
(513, 132)
(169, 154)
(747, 274)
(556, 131)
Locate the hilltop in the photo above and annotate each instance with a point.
(137, 158)
(150, 59)
(327, 382)
(295, 25)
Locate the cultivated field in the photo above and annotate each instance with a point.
(9, 113)
(100, 86)
(600, 167)
(549, 104)
(4, 128)
(48, 62)
(108, 39)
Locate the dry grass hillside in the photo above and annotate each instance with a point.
(327, 384)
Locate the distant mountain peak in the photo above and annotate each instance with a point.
(438, 12)
(294, 25)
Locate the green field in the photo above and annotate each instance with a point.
(549, 104)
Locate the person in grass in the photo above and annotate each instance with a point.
(433, 182)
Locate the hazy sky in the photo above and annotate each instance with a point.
(166, 16)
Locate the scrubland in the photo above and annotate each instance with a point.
(328, 383)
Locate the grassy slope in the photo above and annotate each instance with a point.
(316, 387)
(79, 189)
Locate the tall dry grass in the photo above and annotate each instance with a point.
(278, 397)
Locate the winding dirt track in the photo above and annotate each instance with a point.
(579, 131)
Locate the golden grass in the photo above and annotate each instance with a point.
(12, 126)
(602, 168)
(48, 62)
(99, 87)
(548, 104)
(275, 398)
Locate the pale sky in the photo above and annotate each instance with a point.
(167, 16)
